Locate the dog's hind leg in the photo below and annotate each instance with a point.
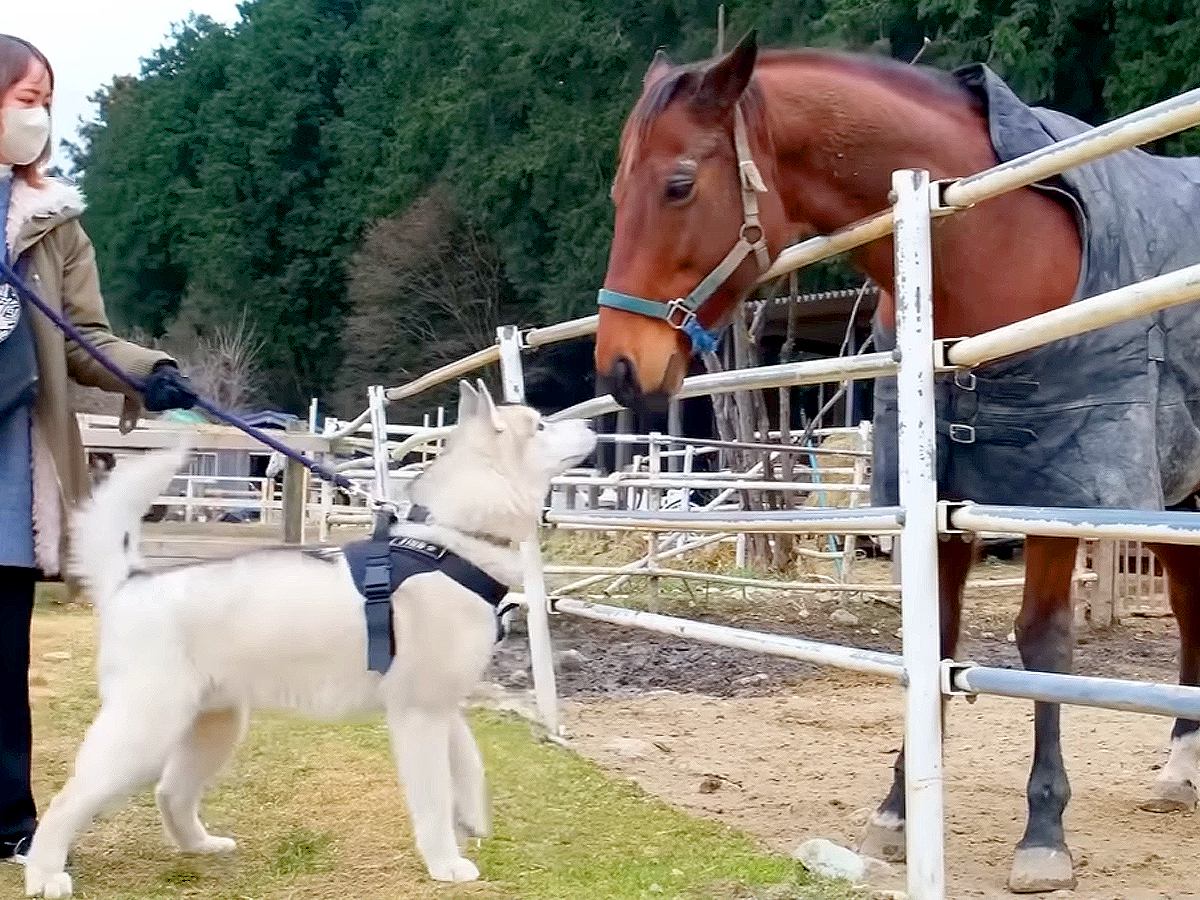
(421, 741)
(124, 749)
(470, 786)
(190, 768)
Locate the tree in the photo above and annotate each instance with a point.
(426, 288)
(243, 169)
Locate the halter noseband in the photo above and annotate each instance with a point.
(681, 313)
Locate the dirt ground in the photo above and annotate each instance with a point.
(788, 752)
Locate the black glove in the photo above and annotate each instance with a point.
(168, 388)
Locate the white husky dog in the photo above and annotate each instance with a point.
(186, 653)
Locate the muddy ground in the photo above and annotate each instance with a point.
(788, 751)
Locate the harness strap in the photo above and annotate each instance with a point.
(381, 564)
(376, 588)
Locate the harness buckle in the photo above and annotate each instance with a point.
(961, 433)
(964, 380)
(752, 227)
(679, 316)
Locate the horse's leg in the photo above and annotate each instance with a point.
(884, 836)
(1046, 641)
(1175, 789)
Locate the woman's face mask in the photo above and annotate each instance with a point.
(24, 132)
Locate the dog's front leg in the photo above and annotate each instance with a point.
(421, 742)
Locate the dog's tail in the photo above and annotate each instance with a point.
(106, 530)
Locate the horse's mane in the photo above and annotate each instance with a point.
(922, 82)
(928, 85)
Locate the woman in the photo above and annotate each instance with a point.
(42, 467)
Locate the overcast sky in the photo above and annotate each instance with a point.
(90, 41)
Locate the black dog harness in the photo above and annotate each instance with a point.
(382, 563)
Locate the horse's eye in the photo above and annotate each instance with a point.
(680, 188)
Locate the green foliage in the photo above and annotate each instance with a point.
(241, 171)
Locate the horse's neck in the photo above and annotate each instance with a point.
(838, 135)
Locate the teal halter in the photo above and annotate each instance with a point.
(682, 314)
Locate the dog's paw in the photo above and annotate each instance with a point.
(453, 870)
(49, 885)
(213, 846)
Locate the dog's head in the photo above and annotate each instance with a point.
(494, 472)
(515, 440)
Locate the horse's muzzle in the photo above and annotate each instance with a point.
(622, 383)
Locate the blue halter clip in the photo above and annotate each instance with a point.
(682, 314)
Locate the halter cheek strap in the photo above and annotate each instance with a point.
(682, 313)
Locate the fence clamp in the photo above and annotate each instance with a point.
(938, 206)
(941, 356)
(949, 671)
(945, 512)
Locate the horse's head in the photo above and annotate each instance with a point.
(695, 226)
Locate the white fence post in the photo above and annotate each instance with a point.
(653, 502)
(377, 404)
(537, 612)
(919, 543)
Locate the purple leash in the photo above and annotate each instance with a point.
(229, 418)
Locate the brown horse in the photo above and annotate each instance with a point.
(820, 134)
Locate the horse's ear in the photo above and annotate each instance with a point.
(723, 83)
(658, 67)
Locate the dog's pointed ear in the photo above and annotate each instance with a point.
(468, 400)
(487, 406)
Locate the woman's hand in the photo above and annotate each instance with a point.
(168, 388)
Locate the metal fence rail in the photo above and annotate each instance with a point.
(814, 520)
(870, 662)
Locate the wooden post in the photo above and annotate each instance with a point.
(624, 452)
(295, 477)
(1104, 596)
(189, 495)
(674, 429)
(327, 459)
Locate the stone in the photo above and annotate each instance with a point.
(823, 857)
(843, 617)
(709, 784)
(756, 678)
(570, 660)
(632, 748)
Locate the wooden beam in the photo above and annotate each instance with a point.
(295, 487)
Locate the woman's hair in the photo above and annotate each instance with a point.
(15, 57)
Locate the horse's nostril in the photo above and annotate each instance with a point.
(623, 372)
(624, 382)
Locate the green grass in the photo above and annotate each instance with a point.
(317, 813)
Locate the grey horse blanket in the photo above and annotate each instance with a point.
(1107, 419)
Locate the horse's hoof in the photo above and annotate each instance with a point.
(1038, 869)
(1171, 797)
(883, 839)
